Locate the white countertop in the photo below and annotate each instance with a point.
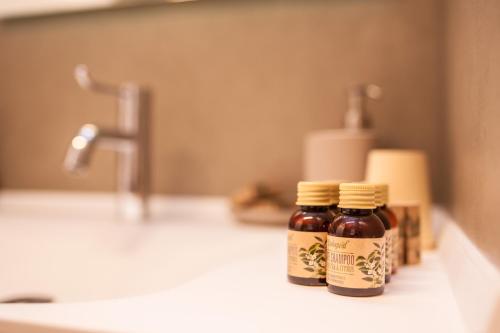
(245, 292)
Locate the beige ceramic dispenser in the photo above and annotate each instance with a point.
(342, 153)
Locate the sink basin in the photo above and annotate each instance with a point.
(72, 248)
(192, 269)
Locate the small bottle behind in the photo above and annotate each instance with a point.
(393, 220)
(388, 233)
(333, 185)
(307, 232)
(356, 244)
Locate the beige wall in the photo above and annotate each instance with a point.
(237, 85)
(473, 119)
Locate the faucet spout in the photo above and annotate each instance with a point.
(90, 136)
(80, 149)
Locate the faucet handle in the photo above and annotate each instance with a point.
(85, 80)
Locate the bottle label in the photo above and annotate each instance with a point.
(395, 247)
(388, 252)
(355, 262)
(306, 254)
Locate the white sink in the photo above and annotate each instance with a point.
(71, 247)
(192, 269)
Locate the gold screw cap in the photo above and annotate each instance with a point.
(381, 194)
(333, 185)
(357, 196)
(313, 194)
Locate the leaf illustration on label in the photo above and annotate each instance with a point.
(314, 257)
(371, 266)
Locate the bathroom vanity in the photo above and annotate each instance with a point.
(191, 268)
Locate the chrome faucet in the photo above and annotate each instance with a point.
(131, 140)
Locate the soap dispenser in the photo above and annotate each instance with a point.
(342, 153)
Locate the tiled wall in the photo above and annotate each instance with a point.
(473, 118)
(237, 85)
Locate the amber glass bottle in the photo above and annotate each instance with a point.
(393, 220)
(307, 231)
(387, 225)
(355, 245)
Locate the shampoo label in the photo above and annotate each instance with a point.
(355, 262)
(306, 254)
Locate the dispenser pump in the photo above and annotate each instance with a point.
(355, 116)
